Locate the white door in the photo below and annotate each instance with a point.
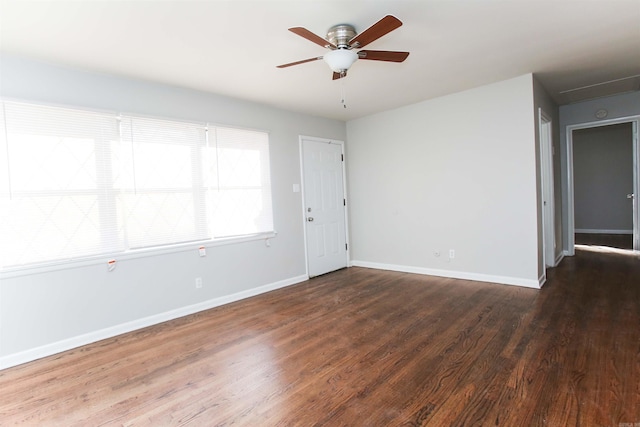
(324, 205)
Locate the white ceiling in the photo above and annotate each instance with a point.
(232, 47)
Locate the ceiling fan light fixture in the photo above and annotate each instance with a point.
(340, 60)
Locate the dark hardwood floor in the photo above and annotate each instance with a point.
(363, 347)
(618, 241)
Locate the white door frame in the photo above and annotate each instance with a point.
(547, 188)
(301, 138)
(635, 123)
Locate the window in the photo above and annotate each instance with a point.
(77, 183)
(238, 182)
(160, 190)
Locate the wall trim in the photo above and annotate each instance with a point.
(598, 231)
(478, 277)
(30, 355)
(542, 279)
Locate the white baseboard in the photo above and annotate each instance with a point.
(91, 337)
(560, 257)
(504, 280)
(542, 280)
(597, 231)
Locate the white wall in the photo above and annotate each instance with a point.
(457, 172)
(620, 106)
(48, 312)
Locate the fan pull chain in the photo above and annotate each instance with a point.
(343, 94)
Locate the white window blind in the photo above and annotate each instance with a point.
(239, 182)
(161, 193)
(55, 192)
(76, 183)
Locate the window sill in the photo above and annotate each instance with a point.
(70, 264)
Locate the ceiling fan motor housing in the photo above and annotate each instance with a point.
(339, 35)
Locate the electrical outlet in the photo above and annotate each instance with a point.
(452, 253)
(198, 282)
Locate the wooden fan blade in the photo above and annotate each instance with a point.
(304, 33)
(299, 62)
(374, 32)
(383, 55)
(337, 76)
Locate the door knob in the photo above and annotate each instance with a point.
(310, 219)
(630, 196)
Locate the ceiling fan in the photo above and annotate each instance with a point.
(342, 40)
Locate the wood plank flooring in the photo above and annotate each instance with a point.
(363, 347)
(619, 241)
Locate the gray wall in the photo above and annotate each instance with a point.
(620, 106)
(53, 310)
(456, 172)
(602, 177)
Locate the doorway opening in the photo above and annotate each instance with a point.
(603, 181)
